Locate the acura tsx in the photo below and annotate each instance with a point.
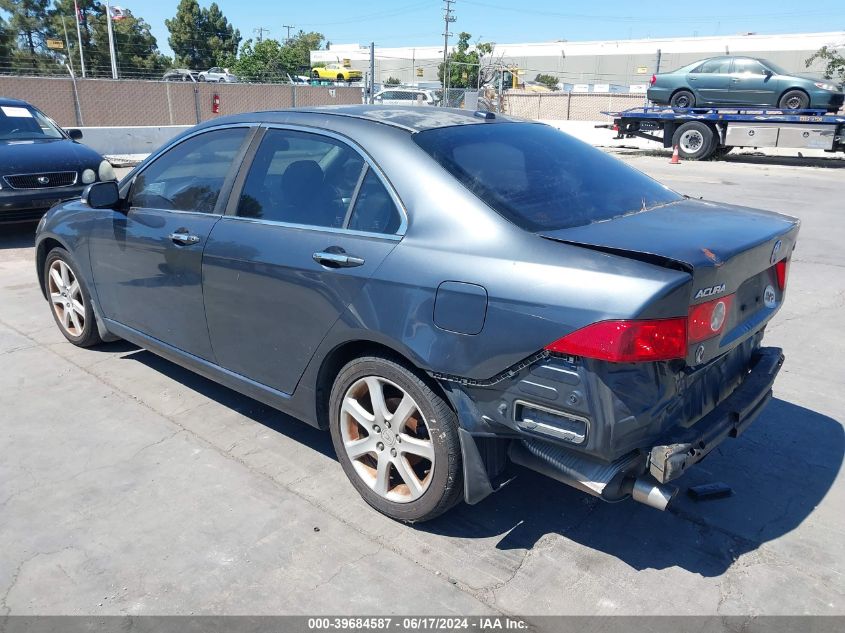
(447, 292)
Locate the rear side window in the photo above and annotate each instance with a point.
(301, 178)
(748, 66)
(189, 177)
(540, 178)
(374, 210)
(720, 66)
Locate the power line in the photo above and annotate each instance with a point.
(288, 27)
(260, 31)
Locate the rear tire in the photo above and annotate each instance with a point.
(682, 99)
(794, 100)
(408, 469)
(70, 301)
(695, 140)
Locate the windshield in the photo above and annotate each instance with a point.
(773, 67)
(19, 123)
(540, 178)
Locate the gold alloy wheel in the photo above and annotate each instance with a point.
(387, 439)
(66, 298)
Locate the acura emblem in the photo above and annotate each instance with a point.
(775, 252)
(43, 180)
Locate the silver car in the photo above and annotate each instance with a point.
(217, 75)
(405, 96)
(448, 293)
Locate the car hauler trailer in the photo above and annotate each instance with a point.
(703, 132)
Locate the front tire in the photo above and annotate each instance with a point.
(396, 439)
(794, 100)
(69, 299)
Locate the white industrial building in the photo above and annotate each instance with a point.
(617, 63)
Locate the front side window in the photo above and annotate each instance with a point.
(718, 66)
(540, 178)
(189, 177)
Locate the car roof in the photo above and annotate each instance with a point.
(411, 118)
(7, 101)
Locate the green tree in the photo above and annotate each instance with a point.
(834, 60)
(269, 60)
(7, 45)
(296, 52)
(29, 20)
(549, 81)
(135, 46)
(202, 38)
(464, 64)
(260, 61)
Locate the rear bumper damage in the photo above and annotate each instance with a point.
(682, 448)
(642, 473)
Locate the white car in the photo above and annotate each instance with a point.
(405, 96)
(217, 75)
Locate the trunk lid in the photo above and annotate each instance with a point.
(727, 250)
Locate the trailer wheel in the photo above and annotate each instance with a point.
(695, 140)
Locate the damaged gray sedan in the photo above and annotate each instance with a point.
(447, 292)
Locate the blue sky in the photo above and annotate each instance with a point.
(419, 22)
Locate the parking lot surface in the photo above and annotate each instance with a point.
(131, 486)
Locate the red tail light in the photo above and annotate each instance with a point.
(627, 341)
(653, 80)
(707, 320)
(782, 270)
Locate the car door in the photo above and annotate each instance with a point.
(147, 259)
(751, 83)
(710, 81)
(310, 224)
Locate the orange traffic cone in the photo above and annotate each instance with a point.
(676, 159)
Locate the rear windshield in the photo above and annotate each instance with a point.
(540, 178)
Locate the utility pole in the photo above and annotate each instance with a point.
(260, 31)
(372, 72)
(111, 41)
(288, 27)
(79, 37)
(448, 18)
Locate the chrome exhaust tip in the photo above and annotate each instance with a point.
(649, 491)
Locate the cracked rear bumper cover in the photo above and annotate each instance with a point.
(685, 447)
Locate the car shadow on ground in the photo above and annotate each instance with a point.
(833, 162)
(780, 469)
(18, 235)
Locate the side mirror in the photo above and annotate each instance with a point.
(74, 134)
(768, 72)
(101, 195)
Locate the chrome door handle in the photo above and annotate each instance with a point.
(184, 238)
(337, 260)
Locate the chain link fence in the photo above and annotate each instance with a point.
(569, 106)
(102, 102)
